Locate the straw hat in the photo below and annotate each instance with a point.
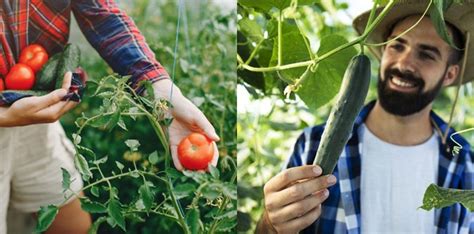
(459, 15)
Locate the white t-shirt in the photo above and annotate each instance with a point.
(393, 181)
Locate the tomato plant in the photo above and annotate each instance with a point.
(130, 182)
(35, 56)
(20, 77)
(195, 151)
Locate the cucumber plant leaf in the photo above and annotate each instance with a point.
(438, 197)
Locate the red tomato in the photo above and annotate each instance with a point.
(34, 56)
(2, 86)
(195, 151)
(20, 77)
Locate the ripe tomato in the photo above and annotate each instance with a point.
(2, 86)
(195, 151)
(34, 56)
(20, 77)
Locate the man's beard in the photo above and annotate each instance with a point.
(401, 103)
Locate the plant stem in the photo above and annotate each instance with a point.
(279, 38)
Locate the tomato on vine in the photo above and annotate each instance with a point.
(195, 151)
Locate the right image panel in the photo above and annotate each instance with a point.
(355, 116)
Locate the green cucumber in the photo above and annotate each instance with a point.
(46, 78)
(69, 62)
(352, 94)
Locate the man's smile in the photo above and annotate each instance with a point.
(403, 85)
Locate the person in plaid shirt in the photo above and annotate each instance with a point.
(396, 148)
(33, 146)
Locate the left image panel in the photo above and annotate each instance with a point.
(118, 116)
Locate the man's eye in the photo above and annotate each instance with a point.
(425, 56)
(397, 47)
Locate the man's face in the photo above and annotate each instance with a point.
(413, 68)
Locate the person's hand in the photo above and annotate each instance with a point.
(34, 110)
(293, 198)
(187, 118)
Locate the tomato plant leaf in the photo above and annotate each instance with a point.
(66, 179)
(95, 226)
(211, 191)
(153, 158)
(115, 212)
(120, 166)
(146, 195)
(439, 197)
(132, 144)
(95, 191)
(214, 172)
(82, 166)
(184, 190)
(193, 220)
(46, 216)
(91, 206)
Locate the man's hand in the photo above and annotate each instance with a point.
(187, 118)
(34, 110)
(293, 199)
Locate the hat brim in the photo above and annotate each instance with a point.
(459, 15)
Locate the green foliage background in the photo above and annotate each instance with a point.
(269, 124)
(205, 72)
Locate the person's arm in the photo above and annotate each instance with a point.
(34, 110)
(117, 39)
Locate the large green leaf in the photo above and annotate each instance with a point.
(438, 197)
(250, 29)
(322, 85)
(436, 14)
(294, 50)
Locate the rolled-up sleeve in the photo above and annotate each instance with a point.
(118, 41)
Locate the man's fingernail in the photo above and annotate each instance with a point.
(331, 179)
(326, 193)
(317, 170)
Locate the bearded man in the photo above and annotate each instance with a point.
(396, 149)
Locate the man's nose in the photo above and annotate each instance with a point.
(406, 61)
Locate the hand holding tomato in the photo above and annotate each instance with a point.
(195, 151)
(35, 56)
(187, 118)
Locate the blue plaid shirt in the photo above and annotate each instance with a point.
(341, 211)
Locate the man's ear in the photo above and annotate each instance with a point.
(451, 74)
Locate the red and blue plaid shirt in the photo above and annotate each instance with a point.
(341, 212)
(109, 30)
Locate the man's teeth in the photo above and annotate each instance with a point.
(401, 83)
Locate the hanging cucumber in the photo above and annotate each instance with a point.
(352, 94)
